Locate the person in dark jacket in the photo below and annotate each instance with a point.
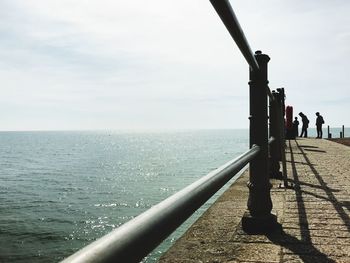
(296, 126)
(319, 122)
(305, 121)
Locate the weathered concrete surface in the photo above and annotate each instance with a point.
(315, 215)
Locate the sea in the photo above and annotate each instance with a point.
(61, 190)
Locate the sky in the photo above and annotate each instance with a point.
(165, 64)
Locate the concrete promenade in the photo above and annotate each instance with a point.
(314, 215)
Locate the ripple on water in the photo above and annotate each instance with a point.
(61, 190)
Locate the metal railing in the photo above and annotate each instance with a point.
(228, 17)
(341, 133)
(259, 217)
(133, 241)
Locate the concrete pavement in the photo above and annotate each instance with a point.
(314, 214)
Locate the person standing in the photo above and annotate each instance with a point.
(296, 127)
(319, 122)
(305, 121)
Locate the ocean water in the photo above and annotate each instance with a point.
(60, 191)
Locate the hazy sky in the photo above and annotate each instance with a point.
(110, 64)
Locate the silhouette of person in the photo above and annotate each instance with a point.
(296, 127)
(305, 121)
(319, 122)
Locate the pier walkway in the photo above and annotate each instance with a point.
(314, 215)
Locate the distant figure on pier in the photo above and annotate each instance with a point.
(319, 122)
(305, 121)
(296, 126)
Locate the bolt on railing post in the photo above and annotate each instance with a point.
(275, 152)
(258, 218)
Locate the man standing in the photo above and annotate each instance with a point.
(319, 122)
(296, 127)
(305, 121)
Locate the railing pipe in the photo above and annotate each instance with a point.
(228, 17)
(135, 239)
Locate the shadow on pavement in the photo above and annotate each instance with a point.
(303, 248)
(338, 206)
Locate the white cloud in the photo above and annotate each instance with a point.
(106, 64)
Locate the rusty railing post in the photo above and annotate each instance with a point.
(258, 218)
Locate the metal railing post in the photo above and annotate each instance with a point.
(275, 152)
(258, 218)
(282, 132)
